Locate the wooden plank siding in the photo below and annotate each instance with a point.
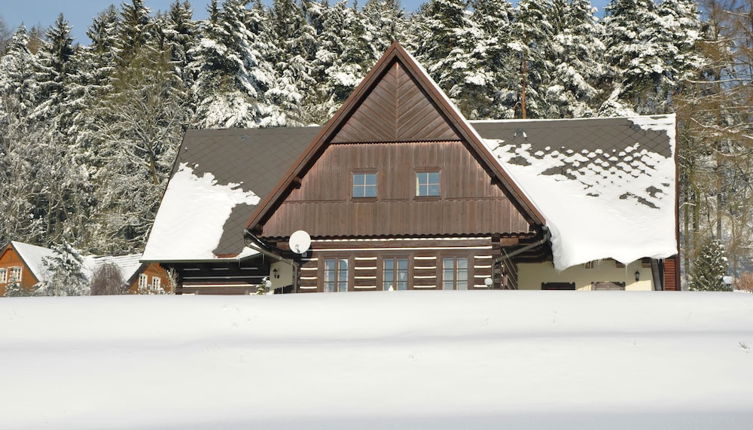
(220, 277)
(366, 265)
(396, 109)
(470, 202)
(671, 274)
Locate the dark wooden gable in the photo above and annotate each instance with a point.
(412, 110)
(395, 110)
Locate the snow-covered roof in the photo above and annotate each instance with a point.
(34, 257)
(128, 264)
(219, 179)
(606, 186)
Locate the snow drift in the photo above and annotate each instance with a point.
(408, 360)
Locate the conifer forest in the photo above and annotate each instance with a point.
(89, 130)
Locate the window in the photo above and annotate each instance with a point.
(156, 283)
(335, 275)
(607, 286)
(427, 184)
(364, 185)
(395, 274)
(558, 285)
(15, 275)
(455, 273)
(3, 272)
(142, 282)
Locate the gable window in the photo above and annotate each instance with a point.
(143, 279)
(335, 275)
(156, 283)
(427, 184)
(15, 274)
(454, 273)
(3, 272)
(395, 274)
(364, 185)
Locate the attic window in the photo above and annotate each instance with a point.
(2, 275)
(364, 185)
(427, 184)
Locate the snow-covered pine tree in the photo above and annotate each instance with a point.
(682, 32)
(635, 56)
(385, 23)
(18, 97)
(579, 64)
(450, 52)
(496, 99)
(234, 74)
(54, 70)
(181, 35)
(532, 41)
(64, 273)
(294, 42)
(709, 268)
(134, 31)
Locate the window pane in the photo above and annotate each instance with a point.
(402, 274)
(357, 191)
(342, 284)
(462, 281)
(427, 184)
(432, 190)
(370, 179)
(358, 179)
(387, 281)
(448, 268)
(329, 275)
(433, 178)
(370, 191)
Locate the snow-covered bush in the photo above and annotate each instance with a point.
(65, 276)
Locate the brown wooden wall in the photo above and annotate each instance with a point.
(366, 266)
(469, 204)
(396, 109)
(10, 258)
(151, 270)
(220, 278)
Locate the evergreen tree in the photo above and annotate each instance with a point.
(65, 276)
(532, 41)
(385, 23)
(496, 99)
(134, 31)
(54, 68)
(635, 56)
(578, 55)
(709, 268)
(181, 36)
(235, 82)
(448, 49)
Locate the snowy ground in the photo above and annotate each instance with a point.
(413, 360)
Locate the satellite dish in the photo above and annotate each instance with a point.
(300, 242)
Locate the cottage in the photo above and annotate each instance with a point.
(399, 191)
(22, 263)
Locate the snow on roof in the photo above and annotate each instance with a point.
(402, 360)
(612, 198)
(127, 264)
(34, 257)
(192, 215)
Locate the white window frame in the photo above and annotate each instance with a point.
(143, 282)
(3, 275)
(360, 185)
(155, 285)
(15, 270)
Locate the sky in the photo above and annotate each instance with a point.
(80, 12)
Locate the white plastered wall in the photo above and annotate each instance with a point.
(285, 272)
(531, 275)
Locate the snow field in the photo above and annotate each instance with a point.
(381, 360)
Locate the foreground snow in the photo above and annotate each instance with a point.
(435, 360)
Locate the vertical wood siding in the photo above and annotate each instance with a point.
(470, 202)
(396, 109)
(10, 258)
